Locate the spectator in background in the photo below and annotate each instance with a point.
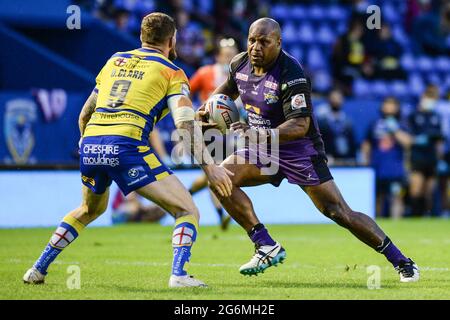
(349, 57)
(386, 54)
(122, 19)
(190, 43)
(415, 8)
(425, 126)
(383, 149)
(209, 77)
(337, 132)
(432, 31)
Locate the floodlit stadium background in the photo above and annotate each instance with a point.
(49, 63)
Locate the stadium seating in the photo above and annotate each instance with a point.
(308, 29)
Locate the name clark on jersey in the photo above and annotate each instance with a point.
(123, 73)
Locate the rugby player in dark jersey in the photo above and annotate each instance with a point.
(277, 96)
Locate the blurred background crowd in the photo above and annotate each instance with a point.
(382, 96)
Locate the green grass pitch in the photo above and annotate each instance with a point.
(323, 262)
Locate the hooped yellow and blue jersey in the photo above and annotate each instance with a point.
(133, 88)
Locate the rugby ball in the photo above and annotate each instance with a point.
(222, 110)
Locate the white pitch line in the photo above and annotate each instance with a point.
(288, 265)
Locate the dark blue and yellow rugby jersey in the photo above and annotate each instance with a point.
(133, 88)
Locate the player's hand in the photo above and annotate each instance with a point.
(239, 128)
(202, 116)
(219, 179)
(256, 136)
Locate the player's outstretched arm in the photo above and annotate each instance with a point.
(183, 115)
(87, 111)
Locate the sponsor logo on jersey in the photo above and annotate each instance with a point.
(255, 87)
(257, 121)
(101, 160)
(133, 173)
(296, 81)
(298, 101)
(271, 85)
(271, 97)
(102, 149)
(242, 76)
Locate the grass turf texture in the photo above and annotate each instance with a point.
(323, 262)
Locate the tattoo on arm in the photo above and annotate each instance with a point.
(193, 141)
(87, 111)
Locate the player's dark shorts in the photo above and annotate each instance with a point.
(390, 186)
(428, 169)
(300, 170)
(126, 161)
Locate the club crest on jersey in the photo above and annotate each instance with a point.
(271, 97)
(271, 85)
(298, 101)
(120, 62)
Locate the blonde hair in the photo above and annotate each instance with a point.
(157, 28)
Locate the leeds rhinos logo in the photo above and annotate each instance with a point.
(271, 97)
(18, 128)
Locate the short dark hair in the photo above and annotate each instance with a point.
(157, 28)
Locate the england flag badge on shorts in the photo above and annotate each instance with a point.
(298, 101)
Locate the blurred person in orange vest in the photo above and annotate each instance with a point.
(209, 77)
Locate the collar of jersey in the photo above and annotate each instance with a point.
(149, 50)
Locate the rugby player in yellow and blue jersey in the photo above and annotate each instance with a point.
(134, 90)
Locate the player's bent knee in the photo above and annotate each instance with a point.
(337, 213)
(182, 209)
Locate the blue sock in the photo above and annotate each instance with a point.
(64, 235)
(183, 237)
